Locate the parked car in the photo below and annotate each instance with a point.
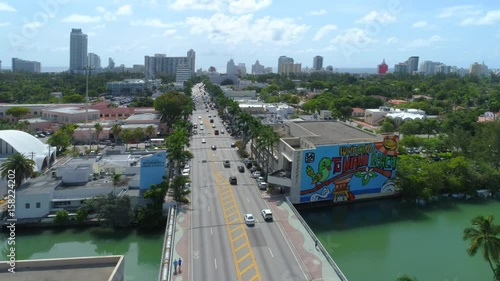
(203, 141)
(227, 164)
(249, 219)
(260, 179)
(233, 180)
(262, 185)
(267, 214)
(233, 144)
(214, 147)
(241, 169)
(185, 172)
(256, 174)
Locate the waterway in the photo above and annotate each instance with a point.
(381, 240)
(142, 251)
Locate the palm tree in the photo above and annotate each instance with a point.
(19, 165)
(150, 130)
(178, 184)
(267, 138)
(22, 125)
(483, 235)
(116, 180)
(138, 134)
(98, 130)
(233, 109)
(127, 136)
(245, 123)
(117, 130)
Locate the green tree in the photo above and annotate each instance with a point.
(20, 166)
(17, 112)
(150, 130)
(98, 130)
(62, 217)
(116, 180)
(484, 236)
(117, 130)
(387, 127)
(178, 186)
(171, 106)
(406, 278)
(60, 139)
(81, 215)
(127, 136)
(111, 211)
(138, 134)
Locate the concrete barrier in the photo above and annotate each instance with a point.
(166, 257)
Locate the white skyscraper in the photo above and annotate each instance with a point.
(94, 61)
(77, 51)
(231, 68)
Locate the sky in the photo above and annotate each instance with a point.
(347, 34)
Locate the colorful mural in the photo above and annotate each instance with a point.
(349, 171)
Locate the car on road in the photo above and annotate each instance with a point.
(199, 117)
(201, 128)
(233, 180)
(256, 174)
(267, 214)
(227, 164)
(249, 219)
(213, 125)
(222, 131)
(233, 144)
(209, 115)
(214, 147)
(203, 141)
(262, 185)
(241, 169)
(260, 179)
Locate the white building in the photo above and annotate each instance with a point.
(376, 116)
(77, 51)
(94, 61)
(183, 73)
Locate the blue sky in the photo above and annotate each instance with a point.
(346, 33)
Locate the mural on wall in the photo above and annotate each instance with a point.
(349, 171)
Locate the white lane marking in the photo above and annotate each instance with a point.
(248, 199)
(211, 232)
(208, 208)
(215, 262)
(271, 252)
(206, 190)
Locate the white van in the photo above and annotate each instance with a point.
(267, 214)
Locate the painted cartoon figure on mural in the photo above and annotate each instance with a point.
(324, 168)
(347, 172)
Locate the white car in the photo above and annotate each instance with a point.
(187, 166)
(199, 117)
(256, 174)
(249, 219)
(203, 141)
(260, 179)
(213, 125)
(267, 214)
(185, 172)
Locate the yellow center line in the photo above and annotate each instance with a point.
(224, 188)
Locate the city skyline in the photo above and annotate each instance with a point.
(345, 35)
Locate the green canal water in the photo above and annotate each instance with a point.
(142, 251)
(381, 240)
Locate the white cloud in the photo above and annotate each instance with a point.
(2, 24)
(391, 40)
(308, 50)
(459, 11)
(317, 12)
(100, 9)
(151, 23)
(32, 25)
(424, 24)
(100, 26)
(77, 18)
(353, 36)
(166, 33)
(324, 30)
(59, 49)
(248, 6)
(382, 17)
(125, 10)
(214, 5)
(329, 49)
(235, 30)
(425, 42)
(6, 7)
(489, 18)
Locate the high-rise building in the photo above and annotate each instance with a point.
(282, 62)
(94, 61)
(77, 51)
(318, 62)
(183, 73)
(412, 64)
(429, 67)
(230, 68)
(442, 68)
(478, 69)
(241, 70)
(382, 68)
(19, 65)
(257, 68)
(401, 67)
(111, 63)
(160, 63)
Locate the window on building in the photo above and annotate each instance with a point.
(38, 205)
(27, 206)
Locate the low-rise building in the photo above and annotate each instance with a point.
(332, 161)
(132, 87)
(70, 115)
(358, 112)
(376, 116)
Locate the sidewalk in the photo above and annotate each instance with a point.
(314, 263)
(182, 243)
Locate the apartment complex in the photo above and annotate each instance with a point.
(318, 63)
(286, 66)
(382, 68)
(94, 61)
(160, 63)
(19, 65)
(131, 87)
(409, 66)
(77, 51)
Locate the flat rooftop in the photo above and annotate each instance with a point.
(72, 110)
(333, 132)
(144, 117)
(74, 269)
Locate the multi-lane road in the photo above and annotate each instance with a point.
(223, 247)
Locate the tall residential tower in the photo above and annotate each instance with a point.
(318, 63)
(77, 51)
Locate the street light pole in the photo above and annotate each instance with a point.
(87, 69)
